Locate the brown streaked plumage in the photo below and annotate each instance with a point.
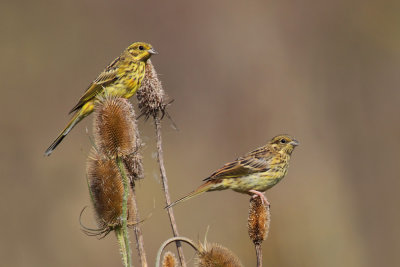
(255, 172)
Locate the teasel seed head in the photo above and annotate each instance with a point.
(106, 190)
(115, 130)
(134, 162)
(169, 260)
(258, 221)
(134, 167)
(212, 255)
(151, 95)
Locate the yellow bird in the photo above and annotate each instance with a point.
(121, 78)
(254, 173)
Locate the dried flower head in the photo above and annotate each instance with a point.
(115, 130)
(169, 260)
(258, 221)
(213, 255)
(151, 94)
(106, 190)
(134, 167)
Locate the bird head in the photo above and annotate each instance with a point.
(141, 51)
(283, 143)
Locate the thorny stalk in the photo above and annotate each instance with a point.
(163, 174)
(125, 182)
(119, 233)
(138, 232)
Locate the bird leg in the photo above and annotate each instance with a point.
(263, 198)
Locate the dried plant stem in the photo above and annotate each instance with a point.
(157, 123)
(172, 239)
(121, 241)
(259, 255)
(258, 224)
(138, 232)
(125, 182)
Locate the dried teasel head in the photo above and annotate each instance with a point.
(258, 221)
(106, 191)
(134, 167)
(169, 260)
(134, 162)
(151, 95)
(213, 255)
(115, 130)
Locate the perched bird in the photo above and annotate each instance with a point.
(254, 173)
(121, 78)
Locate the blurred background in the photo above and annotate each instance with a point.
(326, 72)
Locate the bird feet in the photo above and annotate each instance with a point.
(263, 198)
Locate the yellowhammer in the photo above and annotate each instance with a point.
(254, 173)
(121, 78)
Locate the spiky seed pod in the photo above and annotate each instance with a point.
(115, 130)
(215, 255)
(258, 221)
(169, 260)
(134, 166)
(106, 190)
(151, 94)
(133, 162)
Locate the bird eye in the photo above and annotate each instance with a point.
(141, 47)
(283, 141)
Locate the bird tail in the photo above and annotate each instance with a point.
(74, 120)
(203, 188)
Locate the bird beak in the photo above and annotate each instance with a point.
(152, 51)
(294, 143)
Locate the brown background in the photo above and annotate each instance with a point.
(240, 72)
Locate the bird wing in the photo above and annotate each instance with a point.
(255, 161)
(109, 75)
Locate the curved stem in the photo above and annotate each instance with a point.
(174, 239)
